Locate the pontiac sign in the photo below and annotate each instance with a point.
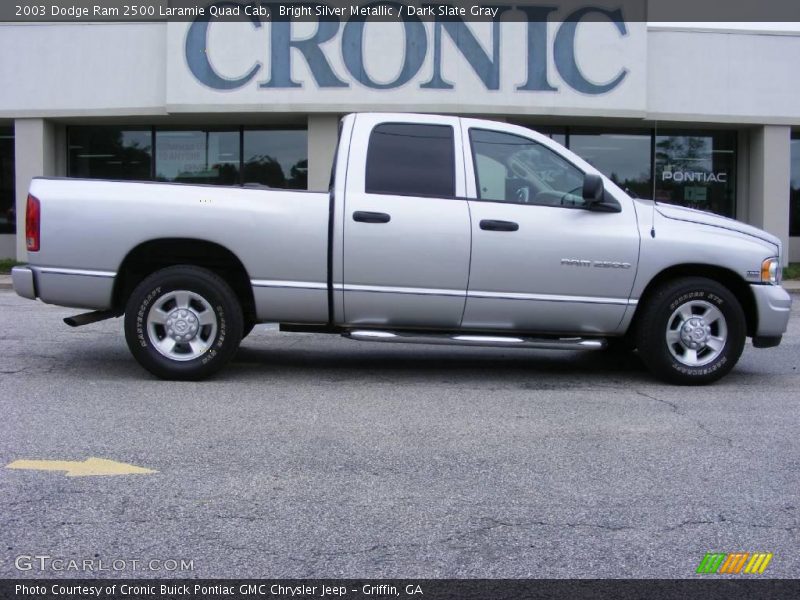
(544, 59)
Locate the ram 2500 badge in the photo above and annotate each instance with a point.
(436, 229)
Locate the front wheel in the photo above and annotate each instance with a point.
(691, 331)
(183, 322)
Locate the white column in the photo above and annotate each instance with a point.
(35, 154)
(323, 132)
(769, 176)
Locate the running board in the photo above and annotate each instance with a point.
(91, 317)
(496, 341)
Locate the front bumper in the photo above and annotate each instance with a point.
(22, 279)
(773, 307)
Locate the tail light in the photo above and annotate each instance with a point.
(32, 223)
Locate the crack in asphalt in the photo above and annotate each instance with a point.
(721, 519)
(675, 408)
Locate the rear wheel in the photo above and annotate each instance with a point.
(691, 331)
(183, 322)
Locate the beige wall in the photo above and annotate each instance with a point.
(323, 133)
(36, 152)
(768, 181)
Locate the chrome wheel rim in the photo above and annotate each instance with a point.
(181, 325)
(696, 333)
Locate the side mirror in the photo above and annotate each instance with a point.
(592, 189)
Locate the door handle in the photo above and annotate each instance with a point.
(492, 225)
(363, 216)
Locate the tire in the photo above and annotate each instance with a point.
(198, 328)
(620, 345)
(691, 331)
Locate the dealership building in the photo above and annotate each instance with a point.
(706, 117)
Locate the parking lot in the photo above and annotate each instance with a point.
(316, 456)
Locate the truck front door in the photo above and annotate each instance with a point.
(406, 223)
(541, 261)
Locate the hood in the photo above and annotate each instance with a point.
(680, 213)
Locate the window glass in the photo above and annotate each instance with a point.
(509, 168)
(794, 192)
(8, 218)
(623, 157)
(277, 158)
(697, 170)
(109, 153)
(198, 157)
(411, 160)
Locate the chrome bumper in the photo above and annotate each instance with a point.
(773, 306)
(22, 279)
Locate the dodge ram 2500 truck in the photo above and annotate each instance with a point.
(435, 230)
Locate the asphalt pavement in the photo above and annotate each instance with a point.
(317, 456)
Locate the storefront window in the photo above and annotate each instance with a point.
(557, 134)
(624, 157)
(274, 157)
(8, 220)
(277, 158)
(198, 157)
(794, 188)
(109, 153)
(697, 170)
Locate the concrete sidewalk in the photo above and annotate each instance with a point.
(792, 286)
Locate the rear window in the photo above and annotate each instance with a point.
(408, 159)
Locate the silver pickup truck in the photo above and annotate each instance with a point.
(435, 230)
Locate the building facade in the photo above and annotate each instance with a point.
(707, 118)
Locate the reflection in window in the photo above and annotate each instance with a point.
(510, 168)
(210, 157)
(622, 157)
(276, 158)
(697, 170)
(109, 153)
(8, 219)
(794, 194)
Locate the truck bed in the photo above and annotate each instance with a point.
(89, 227)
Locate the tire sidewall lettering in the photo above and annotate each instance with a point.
(141, 315)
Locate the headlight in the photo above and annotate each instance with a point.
(771, 271)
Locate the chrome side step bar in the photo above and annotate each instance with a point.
(462, 339)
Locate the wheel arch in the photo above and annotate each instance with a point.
(722, 275)
(154, 255)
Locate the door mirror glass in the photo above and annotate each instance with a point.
(592, 189)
